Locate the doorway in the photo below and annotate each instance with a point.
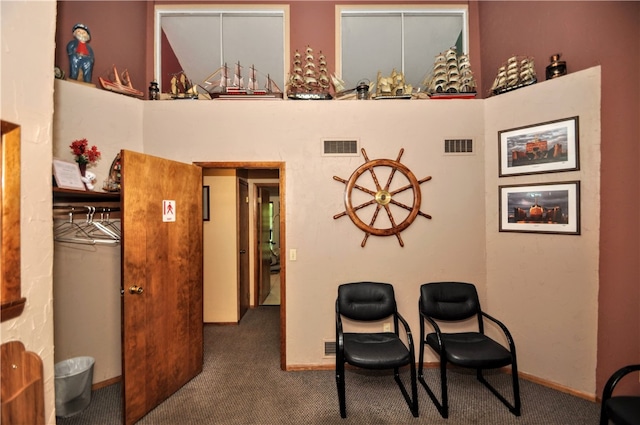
(271, 177)
(267, 246)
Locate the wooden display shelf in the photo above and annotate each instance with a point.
(70, 195)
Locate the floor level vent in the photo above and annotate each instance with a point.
(329, 348)
(453, 146)
(340, 147)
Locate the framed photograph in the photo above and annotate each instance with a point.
(542, 148)
(540, 208)
(67, 175)
(205, 203)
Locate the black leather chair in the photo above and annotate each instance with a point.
(372, 302)
(621, 409)
(455, 302)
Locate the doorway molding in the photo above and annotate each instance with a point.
(268, 165)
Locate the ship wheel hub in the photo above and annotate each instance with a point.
(383, 197)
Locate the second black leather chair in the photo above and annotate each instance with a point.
(453, 302)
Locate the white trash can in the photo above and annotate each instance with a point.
(73, 379)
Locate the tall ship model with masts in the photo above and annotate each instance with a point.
(221, 85)
(451, 76)
(309, 78)
(517, 72)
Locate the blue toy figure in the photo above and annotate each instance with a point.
(80, 53)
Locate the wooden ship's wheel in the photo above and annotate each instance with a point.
(382, 197)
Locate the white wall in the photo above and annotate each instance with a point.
(546, 286)
(460, 242)
(27, 99)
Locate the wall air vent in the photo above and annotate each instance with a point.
(340, 148)
(458, 146)
(329, 348)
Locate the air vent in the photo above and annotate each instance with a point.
(329, 348)
(340, 148)
(457, 146)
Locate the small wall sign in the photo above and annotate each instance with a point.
(168, 211)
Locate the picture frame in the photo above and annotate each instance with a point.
(548, 147)
(540, 208)
(67, 175)
(205, 203)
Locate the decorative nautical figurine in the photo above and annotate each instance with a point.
(80, 54)
(154, 91)
(556, 68)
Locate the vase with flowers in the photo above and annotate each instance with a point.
(84, 155)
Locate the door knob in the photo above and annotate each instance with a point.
(135, 289)
(242, 251)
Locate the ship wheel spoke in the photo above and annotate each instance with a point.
(408, 208)
(393, 222)
(382, 197)
(403, 188)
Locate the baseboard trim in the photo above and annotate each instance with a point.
(433, 365)
(106, 383)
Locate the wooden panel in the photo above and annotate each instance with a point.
(10, 296)
(22, 386)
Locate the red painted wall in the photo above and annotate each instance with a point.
(589, 34)
(118, 36)
(586, 33)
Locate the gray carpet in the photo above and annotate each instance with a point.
(242, 384)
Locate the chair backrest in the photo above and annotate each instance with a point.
(449, 300)
(366, 300)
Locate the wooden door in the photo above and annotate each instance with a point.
(264, 244)
(162, 338)
(244, 290)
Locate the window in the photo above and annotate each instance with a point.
(381, 38)
(205, 38)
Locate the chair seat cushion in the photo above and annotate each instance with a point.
(624, 410)
(375, 350)
(471, 349)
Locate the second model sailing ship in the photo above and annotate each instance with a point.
(221, 85)
(309, 78)
(519, 71)
(451, 76)
(120, 83)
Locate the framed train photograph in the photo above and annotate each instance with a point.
(541, 148)
(540, 208)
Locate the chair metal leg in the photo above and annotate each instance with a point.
(513, 408)
(443, 408)
(412, 402)
(341, 390)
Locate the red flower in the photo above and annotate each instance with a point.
(84, 154)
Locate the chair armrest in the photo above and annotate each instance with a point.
(435, 327)
(407, 331)
(507, 334)
(615, 378)
(339, 333)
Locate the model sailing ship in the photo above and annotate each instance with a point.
(309, 79)
(451, 77)
(221, 86)
(182, 87)
(120, 84)
(392, 87)
(519, 71)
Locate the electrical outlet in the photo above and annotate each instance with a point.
(386, 327)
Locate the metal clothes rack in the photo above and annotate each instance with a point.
(87, 225)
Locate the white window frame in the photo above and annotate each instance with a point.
(432, 10)
(161, 11)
